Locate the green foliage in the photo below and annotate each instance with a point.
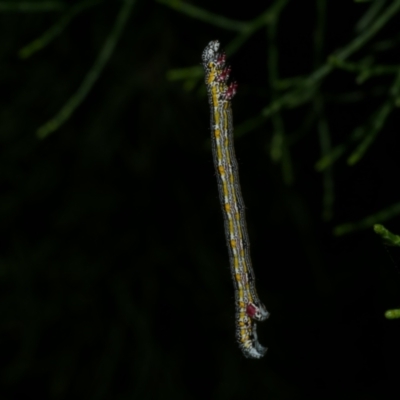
(93, 74)
(382, 215)
(392, 314)
(388, 237)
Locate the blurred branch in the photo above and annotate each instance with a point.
(249, 125)
(325, 146)
(92, 76)
(305, 89)
(366, 133)
(392, 314)
(206, 16)
(369, 138)
(388, 237)
(56, 29)
(386, 44)
(190, 76)
(26, 6)
(245, 29)
(279, 151)
(370, 15)
(328, 159)
(377, 123)
(365, 68)
(184, 73)
(367, 222)
(266, 18)
(319, 109)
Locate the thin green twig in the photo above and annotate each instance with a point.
(325, 146)
(92, 76)
(305, 127)
(26, 6)
(328, 159)
(368, 34)
(185, 73)
(56, 29)
(367, 222)
(369, 15)
(365, 68)
(249, 125)
(302, 93)
(190, 76)
(377, 123)
(279, 151)
(392, 314)
(386, 44)
(267, 17)
(245, 29)
(369, 138)
(206, 16)
(388, 237)
(277, 141)
(322, 125)
(365, 134)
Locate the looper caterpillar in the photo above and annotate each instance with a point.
(249, 308)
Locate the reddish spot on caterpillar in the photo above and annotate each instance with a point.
(221, 59)
(224, 75)
(251, 310)
(231, 91)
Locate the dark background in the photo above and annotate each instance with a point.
(114, 274)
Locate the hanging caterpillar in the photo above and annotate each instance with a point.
(249, 308)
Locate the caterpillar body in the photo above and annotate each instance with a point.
(249, 308)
